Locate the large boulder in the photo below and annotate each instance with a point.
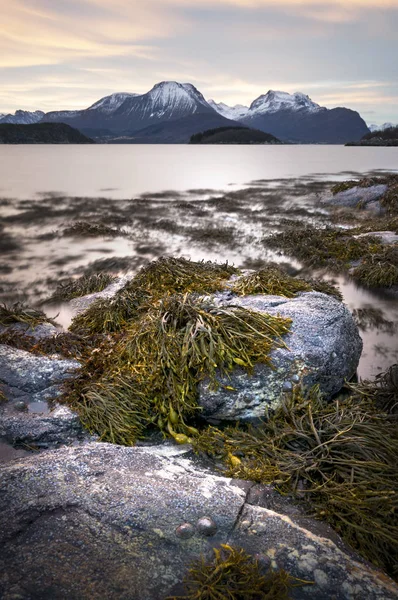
(323, 348)
(103, 521)
(29, 382)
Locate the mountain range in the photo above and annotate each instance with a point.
(172, 112)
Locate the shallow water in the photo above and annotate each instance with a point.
(220, 204)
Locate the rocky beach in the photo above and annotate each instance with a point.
(158, 409)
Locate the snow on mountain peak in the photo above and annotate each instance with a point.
(274, 101)
(229, 112)
(23, 117)
(373, 127)
(108, 104)
(171, 95)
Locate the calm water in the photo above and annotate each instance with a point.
(223, 201)
(120, 171)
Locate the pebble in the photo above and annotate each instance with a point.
(20, 406)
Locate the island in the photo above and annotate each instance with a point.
(233, 135)
(42, 133)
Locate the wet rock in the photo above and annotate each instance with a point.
(29, 382)
(39, 332)
(364, 198)
(323, 348)
(79, 305)
(101, 520)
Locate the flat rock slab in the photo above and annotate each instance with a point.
(103, 521)
(365, 198)
(323, 348)
(29, 382)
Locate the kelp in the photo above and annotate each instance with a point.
(165, 276)
(153, 370)
(273, 280)
(85, 229)
(379, 269)
(383, 391)
(270, 280)
(86, 284)
(340, 457)
(327, 247)
(20, 313)
(232, 574)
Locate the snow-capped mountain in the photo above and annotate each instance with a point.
(235, 113)
(173, 111)
(128, 113)
(166, 101)
(373, 127)
(23, 117)
(273, 102)
(108, 104)
(296, 118)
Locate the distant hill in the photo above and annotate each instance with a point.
(384, 137)
(41, 133)
(233, 135)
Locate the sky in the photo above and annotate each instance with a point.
(66, 54)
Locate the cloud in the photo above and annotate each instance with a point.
(68, 53)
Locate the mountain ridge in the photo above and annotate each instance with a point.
(292, 118)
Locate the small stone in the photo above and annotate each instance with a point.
(206, 526)
(20, 406)
(185, 531)
(287, 386)
(296, 378)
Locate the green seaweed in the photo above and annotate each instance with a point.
(20, 313)
(270, 280)
(86, 229)
(327, 247)
(339, 458)
(273, 280)
(149, 375)
(232, 574)
(379, 269)
(165, 276)
(86, 284)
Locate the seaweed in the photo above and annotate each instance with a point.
(329, 247)
(86, 229)
(75, 288)
(232, 574)
(149, 375)
(383, 391)
(270, 280)
(167, 275)
(20, 313)
(379, 269)
(273, 280)
(339, 458)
